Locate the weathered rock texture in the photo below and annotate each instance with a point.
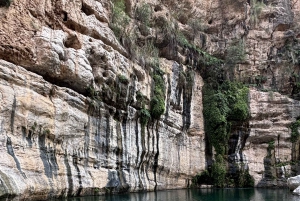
(268, 148)
(56, 141)
(72, 94)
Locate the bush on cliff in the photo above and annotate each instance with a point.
(228, 102)
(218, 172)
(119, 18)
(157, 104)
(294, 130)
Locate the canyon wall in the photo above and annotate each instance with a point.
(78, 81)
(71, 108)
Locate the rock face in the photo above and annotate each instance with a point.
(78, 78)
(56, 143)
(71, 108)
(268, 148)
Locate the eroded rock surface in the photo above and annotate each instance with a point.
(55, 142)
(72, 92)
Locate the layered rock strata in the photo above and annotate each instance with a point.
(72, 94)
(56, 143)
(271, 155)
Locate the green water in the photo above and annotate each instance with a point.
(199, 195)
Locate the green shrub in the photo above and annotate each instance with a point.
(218, 172)
(123, 79)
(145, 116)
(244, 179)
(294, 131)
(248, 180)
(143, 14)
(256, 8)
(220, 107)
(157, 107)
(92, 93)
(271, 145)
(150, 53)
(202, 178)
(119, 18)
(157, 103)
(237, 96)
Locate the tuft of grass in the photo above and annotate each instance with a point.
(143, 14)
(120, 20)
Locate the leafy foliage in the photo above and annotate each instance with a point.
(92, 93)
(295, 131)
(244, 179)
(119, 18)
(237, 96)
(218, 171)
(158, 100)
(150, 53)
(202, 178)
(227, 103)
(123, 79)
(143, 14)
(145, 116)
(256, 7)
(271, 145)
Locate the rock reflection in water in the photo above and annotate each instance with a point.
(199, 195)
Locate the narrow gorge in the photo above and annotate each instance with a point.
(111, 96)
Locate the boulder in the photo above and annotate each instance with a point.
(294, 183)
(297, 191)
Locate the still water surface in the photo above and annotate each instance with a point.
(199, 195)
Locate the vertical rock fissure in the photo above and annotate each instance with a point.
(69, 174)
(187, 99)
(148, 155)
(107, 138)
(168, 98)
(11, 152)
(98, 147)
(45, 159)
(125, 161)
(87, 141)
(155, 166)
(137, 161)
(140, 165)
(75, 163)
(12, 117)
(119, 152)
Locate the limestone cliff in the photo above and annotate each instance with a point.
(103, 96)
(72, 102)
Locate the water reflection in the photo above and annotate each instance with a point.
(199, 195)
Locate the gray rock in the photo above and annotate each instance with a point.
(293, 183)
